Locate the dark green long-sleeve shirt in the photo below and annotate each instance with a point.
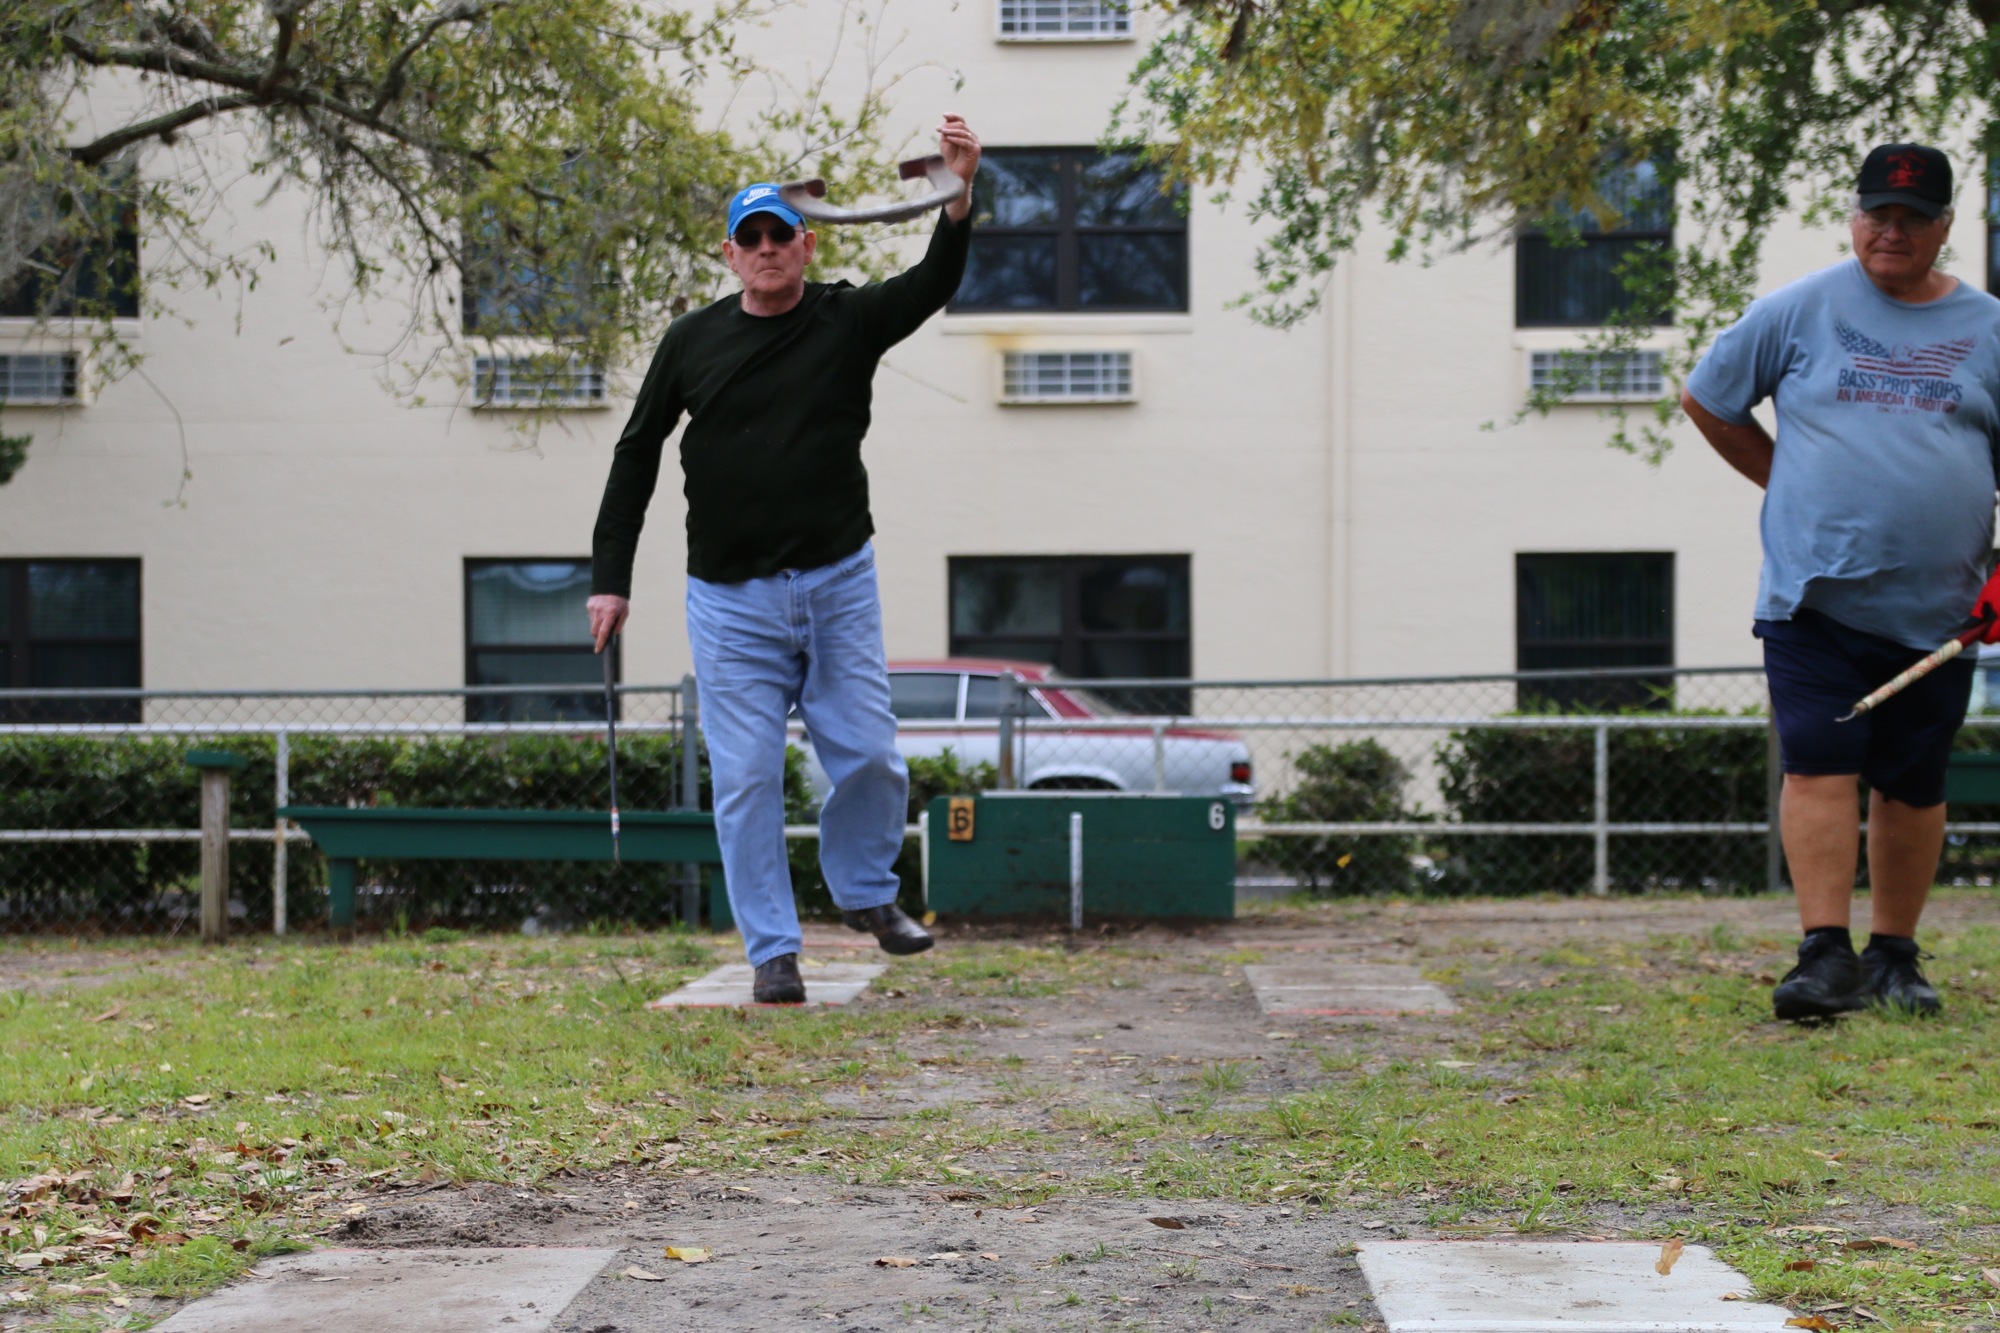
(777, 406)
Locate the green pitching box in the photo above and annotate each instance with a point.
(1972, 779)
(1008, 854)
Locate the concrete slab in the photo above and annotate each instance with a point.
(1336, 989)
(398, 1291)
(729, 987)
(1532, 1287)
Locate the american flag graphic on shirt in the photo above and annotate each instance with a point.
(1905, 377)
(1934, 359)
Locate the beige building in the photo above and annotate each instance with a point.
(1097, 457)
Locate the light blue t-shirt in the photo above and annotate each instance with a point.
(1880, 508)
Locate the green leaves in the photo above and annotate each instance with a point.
(1450, 122)
(561, 143)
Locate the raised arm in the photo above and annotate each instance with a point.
(891, 311)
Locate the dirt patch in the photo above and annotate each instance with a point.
(43, 970)
(1168, 1024)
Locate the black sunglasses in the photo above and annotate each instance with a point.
(781, 233)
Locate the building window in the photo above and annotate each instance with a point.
(525, 624)
(1064, 20)
(70, 625)
(1993, 225)
(92, 276)
(536, 381)
(1591, 611)
(1599, 377)
(1090, 617)
(1572, 273)
(1074, 229)
(31, 379)
(1066, 377)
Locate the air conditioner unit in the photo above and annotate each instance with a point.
(536, 381)
(29, 379)
(1067, 377)
(1065, 20)
(1599, 377)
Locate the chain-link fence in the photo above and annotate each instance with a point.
(1596, 781)
(1605, 781)
(100, 812)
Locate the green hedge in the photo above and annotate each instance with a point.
(1358, 781)
(64, 782)
(1536, 775)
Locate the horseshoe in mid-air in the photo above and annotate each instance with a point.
(808, 198)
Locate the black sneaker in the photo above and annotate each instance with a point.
(1828, 981)
(1895, 981)
(778, 981)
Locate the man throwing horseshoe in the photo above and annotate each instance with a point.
(782, 607)
(1878, 534)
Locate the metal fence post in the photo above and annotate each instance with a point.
(1008, 694)
(690, 794)
(1159, 756)
(1601, 815)
(1774, 794)
(280, 845)
(1076, 870)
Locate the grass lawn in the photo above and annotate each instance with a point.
(163, 1126)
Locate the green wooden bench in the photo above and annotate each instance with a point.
(390, 833)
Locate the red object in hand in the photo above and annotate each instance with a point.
(1986, 610)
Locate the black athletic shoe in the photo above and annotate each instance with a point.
(1828, 981)
(778, 981)
(892, 928)
(1895, 981)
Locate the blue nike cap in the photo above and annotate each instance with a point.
(759, 198)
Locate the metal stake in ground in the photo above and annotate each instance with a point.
(611, 742)
(1952, 648)
(808, 198)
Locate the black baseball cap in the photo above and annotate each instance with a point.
(1906, 173)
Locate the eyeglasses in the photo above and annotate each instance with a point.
(1879, 221)
(780, 233)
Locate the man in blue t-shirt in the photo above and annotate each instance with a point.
(1878, 535)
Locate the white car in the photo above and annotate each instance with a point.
(1067, 739)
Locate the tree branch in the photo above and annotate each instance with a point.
(93, 153)
(251, 82)
(288, 22)
(459, 11)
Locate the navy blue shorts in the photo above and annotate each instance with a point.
(1818, 668)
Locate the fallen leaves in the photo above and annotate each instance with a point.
(688, 1254)
(638, 1274)
(1170, 1223)
(1670, 1254)
(895, 1261)
(1991, 1275)
(1878, 1243)
(1801, 1266)
(1813, 1321)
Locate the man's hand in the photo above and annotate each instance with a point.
(1987, 609)
(607, 617)
(960, 147)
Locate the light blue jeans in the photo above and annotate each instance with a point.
(810, 638)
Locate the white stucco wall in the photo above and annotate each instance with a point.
(1344, 509)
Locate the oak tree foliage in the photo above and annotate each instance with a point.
(1447, 124)
(537, 170)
